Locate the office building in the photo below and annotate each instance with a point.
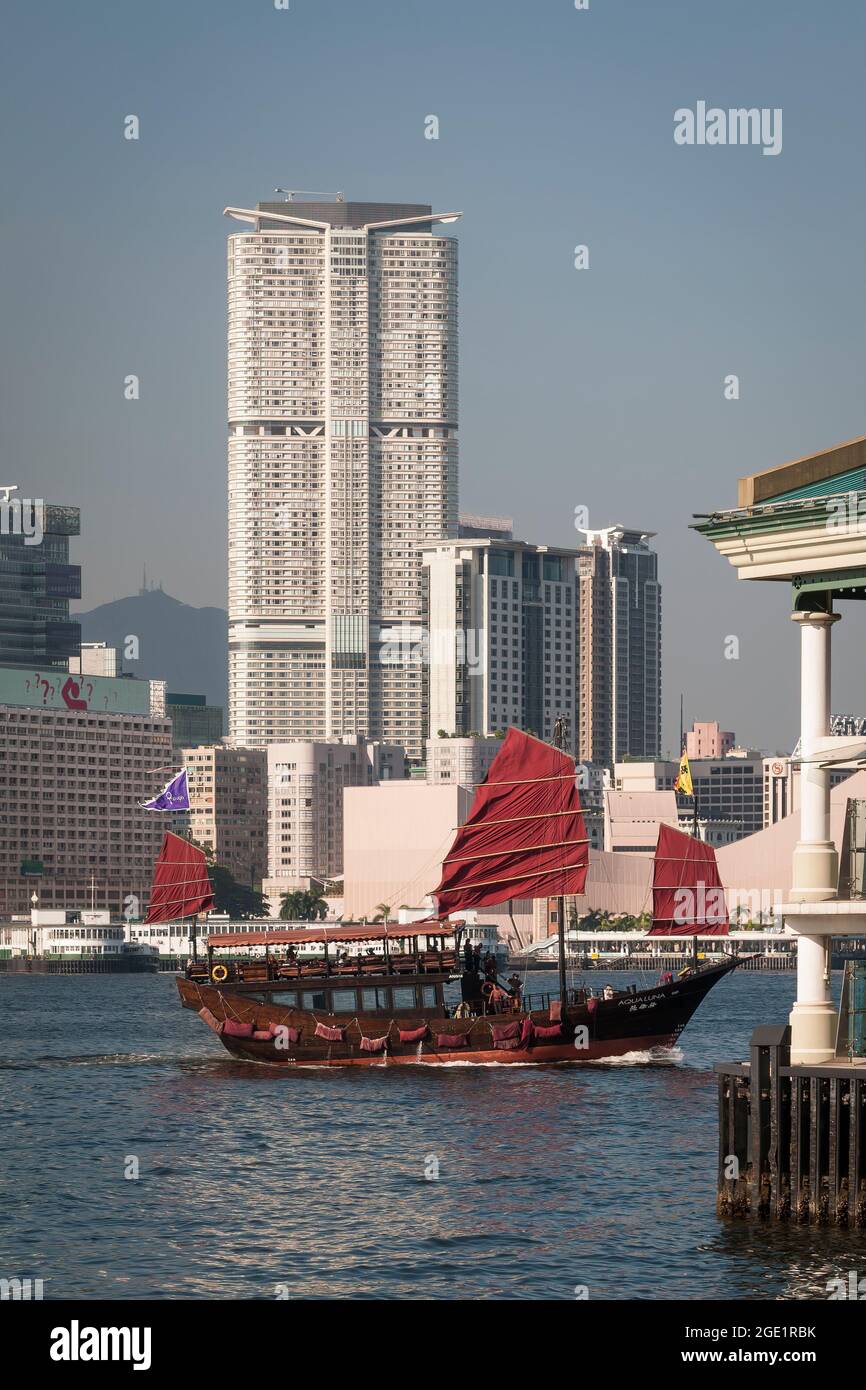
(619, 659)
(193, 721)
(37, 583)
(729, 789)
(342, 391)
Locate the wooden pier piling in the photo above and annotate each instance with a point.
(792, 1140)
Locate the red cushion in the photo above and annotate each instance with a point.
(282, 1029)
(262, 1033)
(237, 1030)
(211, 1020)
(554, 1032)
(450, 1040)
(374, 1044)
(408, 1035)
(323, 1030)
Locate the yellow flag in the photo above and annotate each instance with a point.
(684, 777)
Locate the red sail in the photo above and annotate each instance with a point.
(181, 887)
(688, 897)
(524, 837)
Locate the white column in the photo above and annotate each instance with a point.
(815, 870)
(813, 1017)
(815, 867)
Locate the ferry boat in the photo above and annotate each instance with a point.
(524, 837)
(57, 942)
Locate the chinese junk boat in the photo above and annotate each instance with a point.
(383, 1000)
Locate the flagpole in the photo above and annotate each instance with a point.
(560, 738)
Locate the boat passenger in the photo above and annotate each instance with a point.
(607, 992)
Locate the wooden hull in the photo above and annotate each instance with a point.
(651, 1018)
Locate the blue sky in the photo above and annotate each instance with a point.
(600, 388)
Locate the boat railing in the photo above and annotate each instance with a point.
(272, 968)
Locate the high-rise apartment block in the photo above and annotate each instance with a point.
(461, 762)
(228, 806)
(619, 686)
(503, 640)
(342, 391)
(306, 780)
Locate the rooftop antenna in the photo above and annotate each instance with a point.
(310, 192)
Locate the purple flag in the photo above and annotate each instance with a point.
(173, 797)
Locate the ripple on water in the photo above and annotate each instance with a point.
(548, 1178)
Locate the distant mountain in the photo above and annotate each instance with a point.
(184, 646)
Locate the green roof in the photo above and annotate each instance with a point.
(852, 481)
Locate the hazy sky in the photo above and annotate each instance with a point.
(600, 388)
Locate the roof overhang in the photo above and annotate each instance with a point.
(803, 522)
(813, 469)
(301, 936)
(255, 217)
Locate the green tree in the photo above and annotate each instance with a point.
(302, 905)
(237, 899)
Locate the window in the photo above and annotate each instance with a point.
(428, 996)
(343, 1001)
(404, 997)
(313, 999)
(375, 999)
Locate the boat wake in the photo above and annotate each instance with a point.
(652, 1057)
(108, 1059)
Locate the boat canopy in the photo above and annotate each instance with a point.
(301, 936)
(524, 836)
(688, 897)
(181, 884)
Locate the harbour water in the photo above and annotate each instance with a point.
(253, 1183)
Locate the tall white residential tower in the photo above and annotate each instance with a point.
(619, 694)
(342, 391)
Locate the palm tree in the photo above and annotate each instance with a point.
(302, 906)
(384, 911)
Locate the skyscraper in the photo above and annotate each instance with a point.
(36, 584)
(619, 663)
(342, 389)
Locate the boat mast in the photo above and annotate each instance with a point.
(560, 741)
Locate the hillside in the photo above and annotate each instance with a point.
(187, 647)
